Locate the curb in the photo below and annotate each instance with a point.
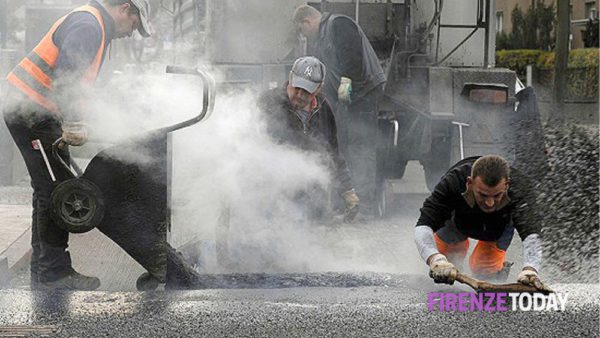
(16, 256)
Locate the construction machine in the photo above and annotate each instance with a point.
(443, 101)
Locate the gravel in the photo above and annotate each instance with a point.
(564, 194)
(568, 197)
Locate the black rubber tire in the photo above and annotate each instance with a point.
(146, 282)
(77, 205)
(437, 162)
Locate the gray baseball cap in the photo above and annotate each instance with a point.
(144, 8)
(308, 73)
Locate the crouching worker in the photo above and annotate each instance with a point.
(473, 200)
(298, 115)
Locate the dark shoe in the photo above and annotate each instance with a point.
(34, 282)
(72, 281)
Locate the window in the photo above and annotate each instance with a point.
(590, 10)
(499, 19)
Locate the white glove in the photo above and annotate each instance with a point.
(530, 277)
(351, 200)
(441, 270)
(74, 133)
(345, 90)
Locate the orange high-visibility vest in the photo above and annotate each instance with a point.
(35, 73)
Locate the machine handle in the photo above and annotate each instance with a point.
(396, 128)
(208, 93)
(73, 168)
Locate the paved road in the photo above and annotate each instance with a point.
(398, 310)
(293, 298)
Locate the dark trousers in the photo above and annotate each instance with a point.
(358, 143)
(50, 259)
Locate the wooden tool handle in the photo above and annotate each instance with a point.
(481, 286)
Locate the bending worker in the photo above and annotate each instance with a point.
(298, 115)
(473, 200)
(353, 86)
(46, 100)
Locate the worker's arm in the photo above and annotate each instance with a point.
(341, 168)
(425, 242)
(527, 224)
(348, 47)
(78, 38)
(532, 252)
(436, 210)
(532, 260)
(347, 191)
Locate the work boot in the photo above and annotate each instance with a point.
(72, 281)
(34, 282)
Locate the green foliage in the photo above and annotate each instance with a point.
(531, 30)
(582, 72)
(578, 58)
(517, 60)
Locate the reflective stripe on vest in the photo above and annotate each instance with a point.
(35, 73)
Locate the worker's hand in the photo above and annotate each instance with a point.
(351, 200)
(74, 133)
(441, 270)
(345, 90)
(529, 276)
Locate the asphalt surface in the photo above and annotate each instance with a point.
(399, 310)
(374, 284)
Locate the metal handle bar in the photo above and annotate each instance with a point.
(208, 93)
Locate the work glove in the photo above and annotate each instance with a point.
(74, 133)
(345, 90)
(351, 201)
(530, 277)
(441, 270)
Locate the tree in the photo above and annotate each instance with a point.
(561, 60)
(531, 30)
(590, 34)
(517, 39)
(546, 20)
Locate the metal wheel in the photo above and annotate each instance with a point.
(77, 205)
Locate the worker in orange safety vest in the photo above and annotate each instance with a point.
(44, 101)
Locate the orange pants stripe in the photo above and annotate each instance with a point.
(486, 258)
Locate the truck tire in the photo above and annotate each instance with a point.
(437, 161)
(390, 165)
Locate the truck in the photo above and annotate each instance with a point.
(444, 99)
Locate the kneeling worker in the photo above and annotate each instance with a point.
(473, 200)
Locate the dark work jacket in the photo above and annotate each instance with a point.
(451, 202)
(345, 50)
(319, 135)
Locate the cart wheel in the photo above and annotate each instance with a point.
(77, 205)
(146, 282)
